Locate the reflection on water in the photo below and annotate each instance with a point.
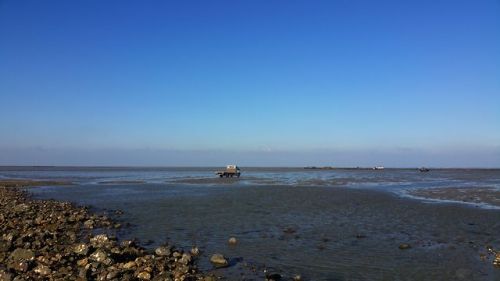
(324, 225)
(404, 182)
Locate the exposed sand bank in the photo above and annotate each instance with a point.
(475, 195)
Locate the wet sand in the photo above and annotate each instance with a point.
(123, 182)
(321, 233)
(29, 182)
(474, 195)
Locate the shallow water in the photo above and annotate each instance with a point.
(324, 225)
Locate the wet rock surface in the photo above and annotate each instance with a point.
(51, 240)
(218, 261)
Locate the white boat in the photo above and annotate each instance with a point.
(378, 168)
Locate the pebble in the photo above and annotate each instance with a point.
(59, 233)
(5, 276)
(195, 251)
(129, 265)
(81, 249)
(162, 251)
(98, 256)
(43, 270)
(144, 275)
(404, 246)
(218, 260)
(111, 275)
(82, 262)
(496, 262)
(232, 241)
(22, 254)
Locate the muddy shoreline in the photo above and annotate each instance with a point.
(53, 240)
(287, 227)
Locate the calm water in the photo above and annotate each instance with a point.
(322, 224)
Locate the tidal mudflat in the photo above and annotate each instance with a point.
(361, 229)
(488, 196)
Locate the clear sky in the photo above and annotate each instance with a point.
(261, 83)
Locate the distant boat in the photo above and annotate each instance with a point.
(423, 169)
(378, 168)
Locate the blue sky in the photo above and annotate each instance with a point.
(288, 83)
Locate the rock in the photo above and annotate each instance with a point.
(8, 237)
(5, 245)
(99, 240)
(232, 241)
(82, 262)
(128, 243)
(404, 246)
(162, 277)
(5, 276)
(42, 270)
(176, 255)
(81, 249)
(496, 262)
(99, 256)
(89, 224)
(22, 254)
(129, 265)
(140, 261)
(83, 274)
(46, 240)
(21, 266)
(185, 259)
(162, 251)
(195, 251)
(297, 278)
(111, 275)
(144, 275)
(218, 260)
(21, 208)
(20, 259)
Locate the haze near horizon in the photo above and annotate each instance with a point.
(256, 83)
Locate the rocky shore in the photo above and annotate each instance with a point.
(51, 240)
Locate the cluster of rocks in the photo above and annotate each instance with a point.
(496, 256)
(51, 240)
